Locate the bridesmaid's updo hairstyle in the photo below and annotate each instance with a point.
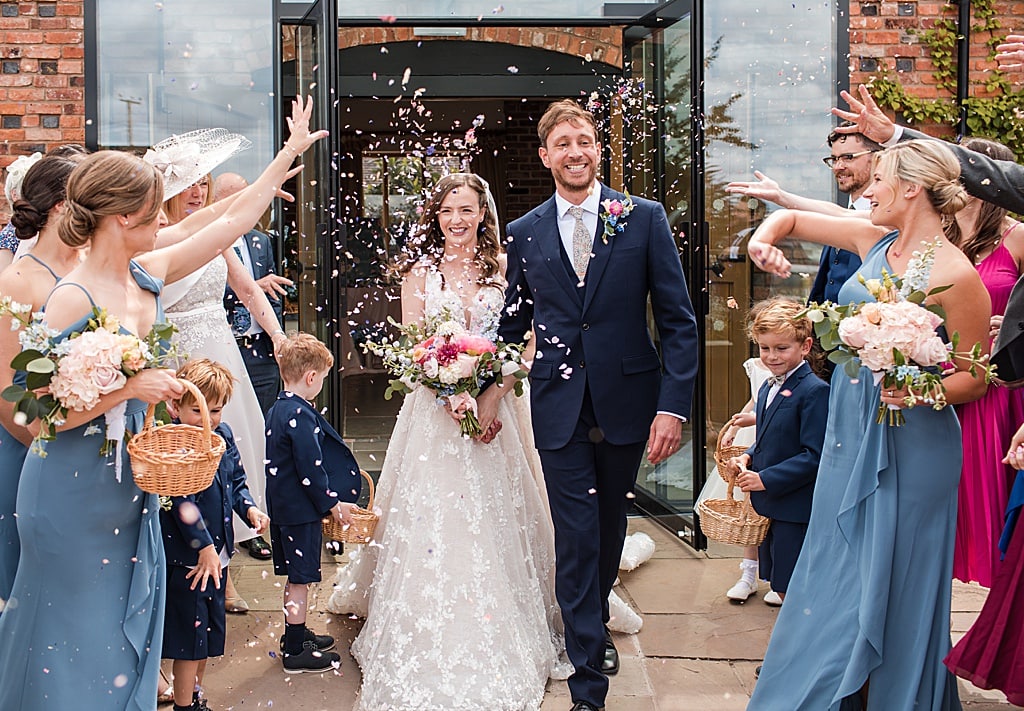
(930, 165)
(426, 242)
(104, 184)
(41, 190)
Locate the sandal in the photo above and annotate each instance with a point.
(167, 695)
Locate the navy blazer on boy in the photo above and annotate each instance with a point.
(184, 536)
(309, 467)
(787, 451)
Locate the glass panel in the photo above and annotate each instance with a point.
(168, 68)
(769, 85)
(656, 114)
(490, 9)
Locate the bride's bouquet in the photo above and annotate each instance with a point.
(450, 361)
(72, 374)
(895, 337)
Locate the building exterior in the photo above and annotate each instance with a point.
(690, 95)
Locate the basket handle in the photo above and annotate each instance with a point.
(204, 412)
(746, 507)
(369, 482)
(721, 435)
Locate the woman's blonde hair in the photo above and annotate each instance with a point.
(427, 239)
(174, 208)
(301, 353)
(104, 184)
(929, 164)
(213, 379)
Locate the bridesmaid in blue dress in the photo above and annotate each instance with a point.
(28, 281)
(84, 622)
(866, 621)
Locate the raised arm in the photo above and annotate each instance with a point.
(253, 297)
(850, 233)
(175, 261)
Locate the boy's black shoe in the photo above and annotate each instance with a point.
(310, 660)
(323, 642)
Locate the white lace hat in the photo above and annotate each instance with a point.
(183, 159)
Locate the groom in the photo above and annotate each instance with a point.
(581, 268)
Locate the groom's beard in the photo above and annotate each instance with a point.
(575, 183)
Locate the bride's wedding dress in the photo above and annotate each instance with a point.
(458, 587)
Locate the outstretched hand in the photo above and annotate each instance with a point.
(869, 119)
(299, 136)
(1010, 54)
(764, 188)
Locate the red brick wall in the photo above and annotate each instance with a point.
(42, 78)
(886, 34)
(601, 44)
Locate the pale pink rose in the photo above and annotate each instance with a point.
(929, 351)
(108, 379)
(461, 367)
(872, 313)
(854, 331)
(876, 358)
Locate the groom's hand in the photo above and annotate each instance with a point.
(666, 433)
(487, 407)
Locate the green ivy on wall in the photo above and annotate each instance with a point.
(999, 117)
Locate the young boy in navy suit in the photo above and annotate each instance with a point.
(311, 474)
(199, 540)
(778, 471)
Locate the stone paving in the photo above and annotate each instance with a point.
(696, 649)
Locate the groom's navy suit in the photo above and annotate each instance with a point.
(596, 384)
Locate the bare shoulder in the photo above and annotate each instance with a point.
(27, 282)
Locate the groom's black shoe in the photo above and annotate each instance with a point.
(610, 665)
(585, 706)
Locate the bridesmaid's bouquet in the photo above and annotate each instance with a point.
(450, 361)
(73, 373)
(896, 337)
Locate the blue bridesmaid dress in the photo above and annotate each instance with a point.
(12, 457)
(84, 623)
(870, 597)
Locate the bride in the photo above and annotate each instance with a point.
(458, 588)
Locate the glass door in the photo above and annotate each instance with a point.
(312, 245)
(658, 106)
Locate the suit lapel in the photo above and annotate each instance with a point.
(791, 384)
(601, 252)
(549, 242)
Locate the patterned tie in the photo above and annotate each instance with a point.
(241, 319)
(777, 379)
(582, 242)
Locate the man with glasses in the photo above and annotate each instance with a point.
(850, 162)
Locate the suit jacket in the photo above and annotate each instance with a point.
(596, 337)
(261, 257)
(185, 535)
(309, 467)
(787, 451)
(997, 181)
(836, 266)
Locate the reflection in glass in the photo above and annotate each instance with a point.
(473, 9)
(166, 68)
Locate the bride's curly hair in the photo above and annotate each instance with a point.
(426, 241)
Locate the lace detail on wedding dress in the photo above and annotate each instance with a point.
(199, 314)
(458, 588)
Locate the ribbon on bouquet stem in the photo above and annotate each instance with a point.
(114, 418)
(465, 404)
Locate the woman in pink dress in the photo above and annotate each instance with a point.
(995, 243)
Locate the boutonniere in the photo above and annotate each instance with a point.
(614, 216)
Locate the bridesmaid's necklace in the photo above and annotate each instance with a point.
(898, 251)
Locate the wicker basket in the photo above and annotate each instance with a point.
(731, 521)
(724, 454)
(176, 460)
(364, 521)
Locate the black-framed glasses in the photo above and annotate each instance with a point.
(830, 161)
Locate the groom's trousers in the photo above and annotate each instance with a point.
(588, 481)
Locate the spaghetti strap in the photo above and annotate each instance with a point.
(41, 263)
(1008, 230)
(69, 283)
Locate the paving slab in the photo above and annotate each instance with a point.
(696, 649)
